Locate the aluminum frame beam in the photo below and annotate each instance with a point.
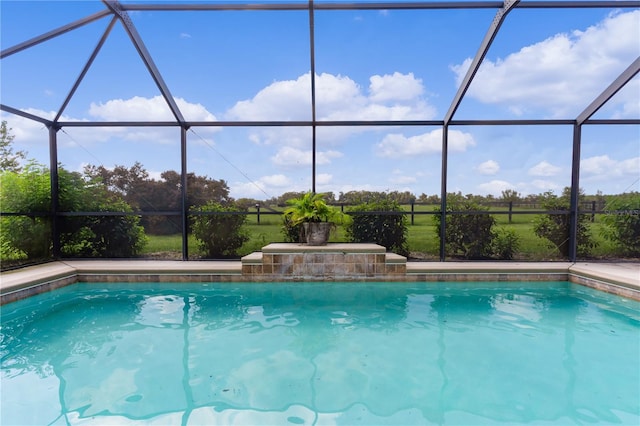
(378, 5)
(53, 33)
(610, 91)
(85, 69)
(27, 115)
(130, 28)
(477, 60)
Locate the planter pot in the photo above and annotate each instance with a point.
(317, 233)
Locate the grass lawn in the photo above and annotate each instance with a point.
(422, 238)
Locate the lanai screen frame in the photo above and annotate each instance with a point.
(119, 12)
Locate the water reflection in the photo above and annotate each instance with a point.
(344, 354)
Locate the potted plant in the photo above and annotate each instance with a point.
(316, 218)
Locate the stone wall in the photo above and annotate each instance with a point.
(333, 262)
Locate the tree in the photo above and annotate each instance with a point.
(510, 195)
(9, 160)
(165, 194)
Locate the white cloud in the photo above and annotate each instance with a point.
(563, 73)
(28, 131)
(139, 108)
(395, 87)
(544, 168)
(398, 145)
(489, 167)
(271, 184)
(185, 35)
(402, 180)
(603, 167)
(292, 157)
(630, 166)
(324, 178)
(597, 165)
(495, 187)
(540, 185)
(278, 180)
(391, 97)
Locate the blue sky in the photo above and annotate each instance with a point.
(370, 65)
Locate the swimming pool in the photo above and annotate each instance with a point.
(321, 353)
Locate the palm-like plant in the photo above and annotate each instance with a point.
(311, 207)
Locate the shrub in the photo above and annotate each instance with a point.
(469, 235)
(505, 244)
(622, 223)
(384, 228)
(292, 232)
(28, 192)
(220, 235)
(555, 227)
(96, 236)
(103, 236)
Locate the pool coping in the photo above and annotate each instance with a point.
(617, 278)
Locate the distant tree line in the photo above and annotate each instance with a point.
(144, 193)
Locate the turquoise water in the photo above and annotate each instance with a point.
(335, 353)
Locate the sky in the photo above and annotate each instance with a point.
(370, 65)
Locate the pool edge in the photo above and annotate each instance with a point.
(615, 278)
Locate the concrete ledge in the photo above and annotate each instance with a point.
(254, 258)
(396, 259)
(25, 282)
(486, 267)
(276, 248)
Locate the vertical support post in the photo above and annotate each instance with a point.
(184, 208)
(312, 71)
(55, 189)
(258, 212)
(575, 193)
(443, 190)
(510, 211)
(413, 203)
(593, 211)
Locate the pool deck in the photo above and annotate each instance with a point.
(618, 278)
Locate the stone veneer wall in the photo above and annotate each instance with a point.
(333, 262)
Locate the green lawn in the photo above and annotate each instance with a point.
(422, 238)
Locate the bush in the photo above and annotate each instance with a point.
(556, 227)
(28, 191)
(469, 235)
(505, 244)
(387, 230)
(96, 236)
(622, 223)
(292, 233)
(220, 235)
(103, 236)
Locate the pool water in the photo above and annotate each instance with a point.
(321, 353)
